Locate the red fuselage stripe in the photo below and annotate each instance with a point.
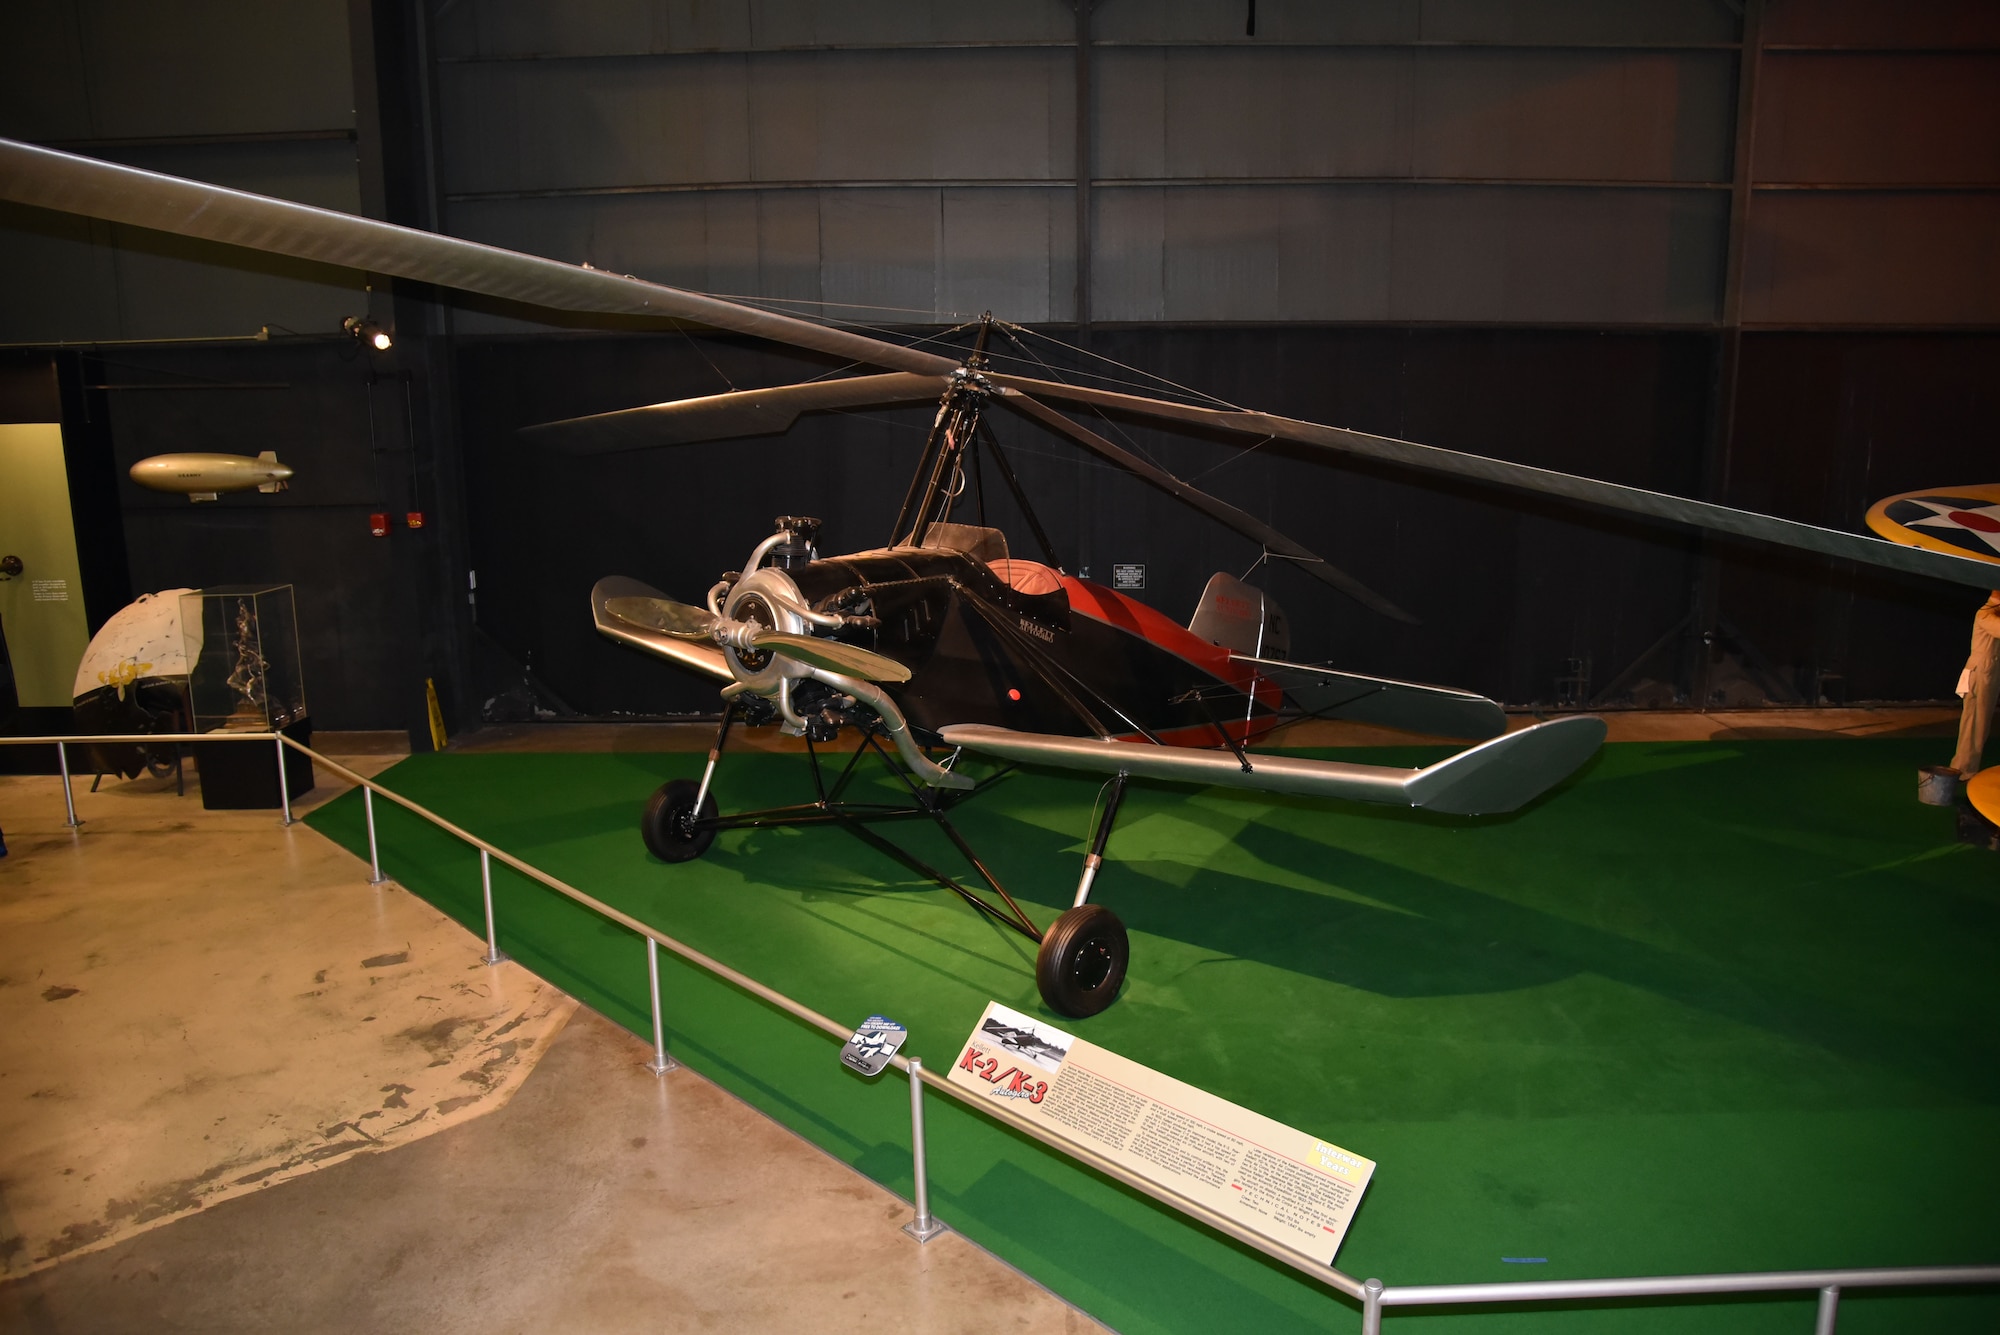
(1135, 618)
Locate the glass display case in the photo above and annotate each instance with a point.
(244, 676)
(243, 658)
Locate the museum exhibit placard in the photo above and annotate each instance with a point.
(1281, 1183)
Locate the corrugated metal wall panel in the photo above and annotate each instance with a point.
(1882, 23)
(1902, 117)
(881, 247)
(1395, 21)
(1574, 115)
(1559, 256)
(1012, 252)
(486, 29)
(1562, 22)
(799, 116)
(1279, 21)
(905, 115)
(1909, 257)
(152, 70)
(45, 93)
(897, 256)
(1261, 112)
(563, 125)
(1325, 111)
(1428, 253)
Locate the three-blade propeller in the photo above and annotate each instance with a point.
(693, 623)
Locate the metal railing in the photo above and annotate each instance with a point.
(1373, 1295)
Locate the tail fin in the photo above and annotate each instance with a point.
(1242, 618)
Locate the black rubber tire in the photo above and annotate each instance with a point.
(668, 823)
(1082, 962)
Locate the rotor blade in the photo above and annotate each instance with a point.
(1611, 495)
(832, 655)
(50, 179)
(675, 619)
(750, 412)
(1248, 525)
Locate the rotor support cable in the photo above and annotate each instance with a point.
(1020, 497)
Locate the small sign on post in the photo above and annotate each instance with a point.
(1280, 1183)
(872, 1045)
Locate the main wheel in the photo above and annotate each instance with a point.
(671, 825)
(1082, 962)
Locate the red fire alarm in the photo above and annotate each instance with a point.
(378, 525)
(415, 519)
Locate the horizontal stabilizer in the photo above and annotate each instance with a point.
(1502, 775)
(698, 657)
(1436, 711)
(1508, 772)
(750, 412)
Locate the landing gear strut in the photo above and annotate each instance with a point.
(1085, 953)
(1081, 960)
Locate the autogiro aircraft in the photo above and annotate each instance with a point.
(940, 642)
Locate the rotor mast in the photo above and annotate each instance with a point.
(936, 483)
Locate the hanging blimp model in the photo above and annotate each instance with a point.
(204, 477)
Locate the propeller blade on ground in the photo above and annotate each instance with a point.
(750, 412)
(49, 179)
(675, 619)
(1248, 525)
(1431, 459)
(832, 655)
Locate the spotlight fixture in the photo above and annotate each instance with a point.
(366, 331)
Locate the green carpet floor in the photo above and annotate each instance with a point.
(1709, 1006)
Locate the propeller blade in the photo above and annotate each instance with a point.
(750, 412)
(1431, 459)
(832, 655)
(49, 179)
(675, 619)
(1248, 525)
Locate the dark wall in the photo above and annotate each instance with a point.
(310, 401)
(1826, 425)
(1509, 589)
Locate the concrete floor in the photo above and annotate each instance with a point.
(242, 1089)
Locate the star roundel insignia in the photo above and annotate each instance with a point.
(1964, 521)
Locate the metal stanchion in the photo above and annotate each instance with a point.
(375, 876)
(923, 1228)
(1829, 1310)
(284, 784)
(1371, 1307)
(493, 955)
(69, 798)
(661, 1062)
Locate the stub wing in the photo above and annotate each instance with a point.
(1436, 711)
(1501, 775)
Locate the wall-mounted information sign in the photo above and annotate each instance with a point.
(1288, 1186)
(1128, 576)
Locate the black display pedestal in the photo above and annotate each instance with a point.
(243, 776)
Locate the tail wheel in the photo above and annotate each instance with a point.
(673, 829)
(1082, 961)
